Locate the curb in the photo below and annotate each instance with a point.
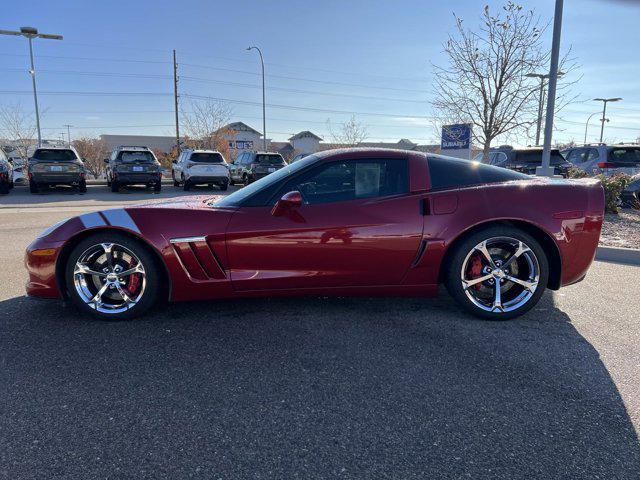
(627, 256)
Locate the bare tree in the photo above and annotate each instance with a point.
(350, 133)
(486, 83)
(204, 125)
(93, 151)
(20, 127)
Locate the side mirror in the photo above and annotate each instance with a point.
(106, 160)
(289, 201)
(174, 161)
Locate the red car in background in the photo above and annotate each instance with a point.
(342, 222)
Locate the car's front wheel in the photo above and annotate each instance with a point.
(112, 276)
(498, 273)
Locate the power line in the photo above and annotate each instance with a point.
(221, 82)
(220, 99)
(244, 72)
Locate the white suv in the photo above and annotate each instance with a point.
(200, 167)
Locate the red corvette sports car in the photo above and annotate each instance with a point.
(342, 222)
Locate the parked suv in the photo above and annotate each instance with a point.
(251, 166)
(525, 160)
(607, 159)
(56, 166)
(131, 165)
(200, 167)
(6, 174)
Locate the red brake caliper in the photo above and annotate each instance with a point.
(474, 270)
(134, 279)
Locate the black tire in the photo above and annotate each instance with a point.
(82, 187)
(152, 291)
(175, 182)
(115, 186)
(4, 188)
(157, 187)
(224, 186)
(453, 271)
(33, 187)
(245, 180)
(186, 186)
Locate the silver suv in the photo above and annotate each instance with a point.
(606, 159)
(6, 174)
(56, 166)
(198, 167)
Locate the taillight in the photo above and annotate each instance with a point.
(606, 165)
(253, 166)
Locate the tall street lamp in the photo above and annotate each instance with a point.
(545, 169)
(31, 33)
(542, 77)
(586, 125)
(264, 110)
(604, 111)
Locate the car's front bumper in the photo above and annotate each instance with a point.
(40, 260)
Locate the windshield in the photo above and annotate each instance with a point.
(136, 157)
(206, 158)
(239, 196)
(55, 155)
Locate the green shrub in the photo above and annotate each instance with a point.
(613, 186)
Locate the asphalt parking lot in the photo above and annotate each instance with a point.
(313, 387)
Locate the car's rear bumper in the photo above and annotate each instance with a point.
(218, 180)
(58, 178)
(133, 178)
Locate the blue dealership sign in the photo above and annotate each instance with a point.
(456, 137)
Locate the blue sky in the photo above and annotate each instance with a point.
(365, 57)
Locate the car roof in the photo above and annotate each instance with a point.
(197, 150)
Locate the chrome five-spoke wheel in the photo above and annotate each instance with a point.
(112, 276)
(109, 278)
(498, 273)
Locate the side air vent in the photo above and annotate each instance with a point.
(198, 259)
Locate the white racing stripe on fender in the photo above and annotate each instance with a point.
(120, 218)
(92, 220)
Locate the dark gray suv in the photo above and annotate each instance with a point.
(132, 165)
(525, 160)
(56, 166)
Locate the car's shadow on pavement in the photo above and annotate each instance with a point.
(309, 388)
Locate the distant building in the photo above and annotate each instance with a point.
(162, 143)
(241, 137)
(305, 142)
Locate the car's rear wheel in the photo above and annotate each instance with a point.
(498, 273)
(4, 188)
(224, 186)
(112, 276)
(33, 187)
(115, 186)
(186, 186)
(82, 186)
(157, 187)
(176, 183)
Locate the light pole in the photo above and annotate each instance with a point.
(586, 126)
(264, 110)
(32, 33)
(68, 134)
(542, 77)
(604, 111)
(545, 169)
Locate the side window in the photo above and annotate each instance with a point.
(574, 156)
(352, 179)
(593, 154)
(497, 158)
